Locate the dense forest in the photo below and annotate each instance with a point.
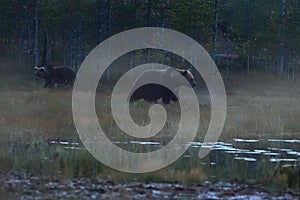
(239, 34)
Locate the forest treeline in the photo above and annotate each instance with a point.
(238, 34)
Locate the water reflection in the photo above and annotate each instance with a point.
(249, 150)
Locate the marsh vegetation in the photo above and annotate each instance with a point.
(260, 143)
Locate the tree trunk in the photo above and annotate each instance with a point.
(148, 13)
(100, 21)
(45, 59)
(108, 18)
(64, 46)
(28, 41)
(133, 21)
(78, 46)
(73, 51)
(214, 47)
(227, 54)
(20, 42)
(248, 63)
(281, 36)
(36, 36)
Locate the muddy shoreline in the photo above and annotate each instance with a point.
(18, 187)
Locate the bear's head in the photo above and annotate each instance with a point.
(40, 72)
(188, 75)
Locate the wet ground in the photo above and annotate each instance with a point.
(17, 187)
(243, 159)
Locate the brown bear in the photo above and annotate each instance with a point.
(152, 92)
(54, 74)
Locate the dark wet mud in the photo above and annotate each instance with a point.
(17, 187)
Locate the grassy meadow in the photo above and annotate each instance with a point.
(31, 117)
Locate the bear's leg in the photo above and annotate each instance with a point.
(174, 98)
(166, 100)
(51, 85)
(135, 96)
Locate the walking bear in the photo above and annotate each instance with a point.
(152, 92)
(54, 74)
